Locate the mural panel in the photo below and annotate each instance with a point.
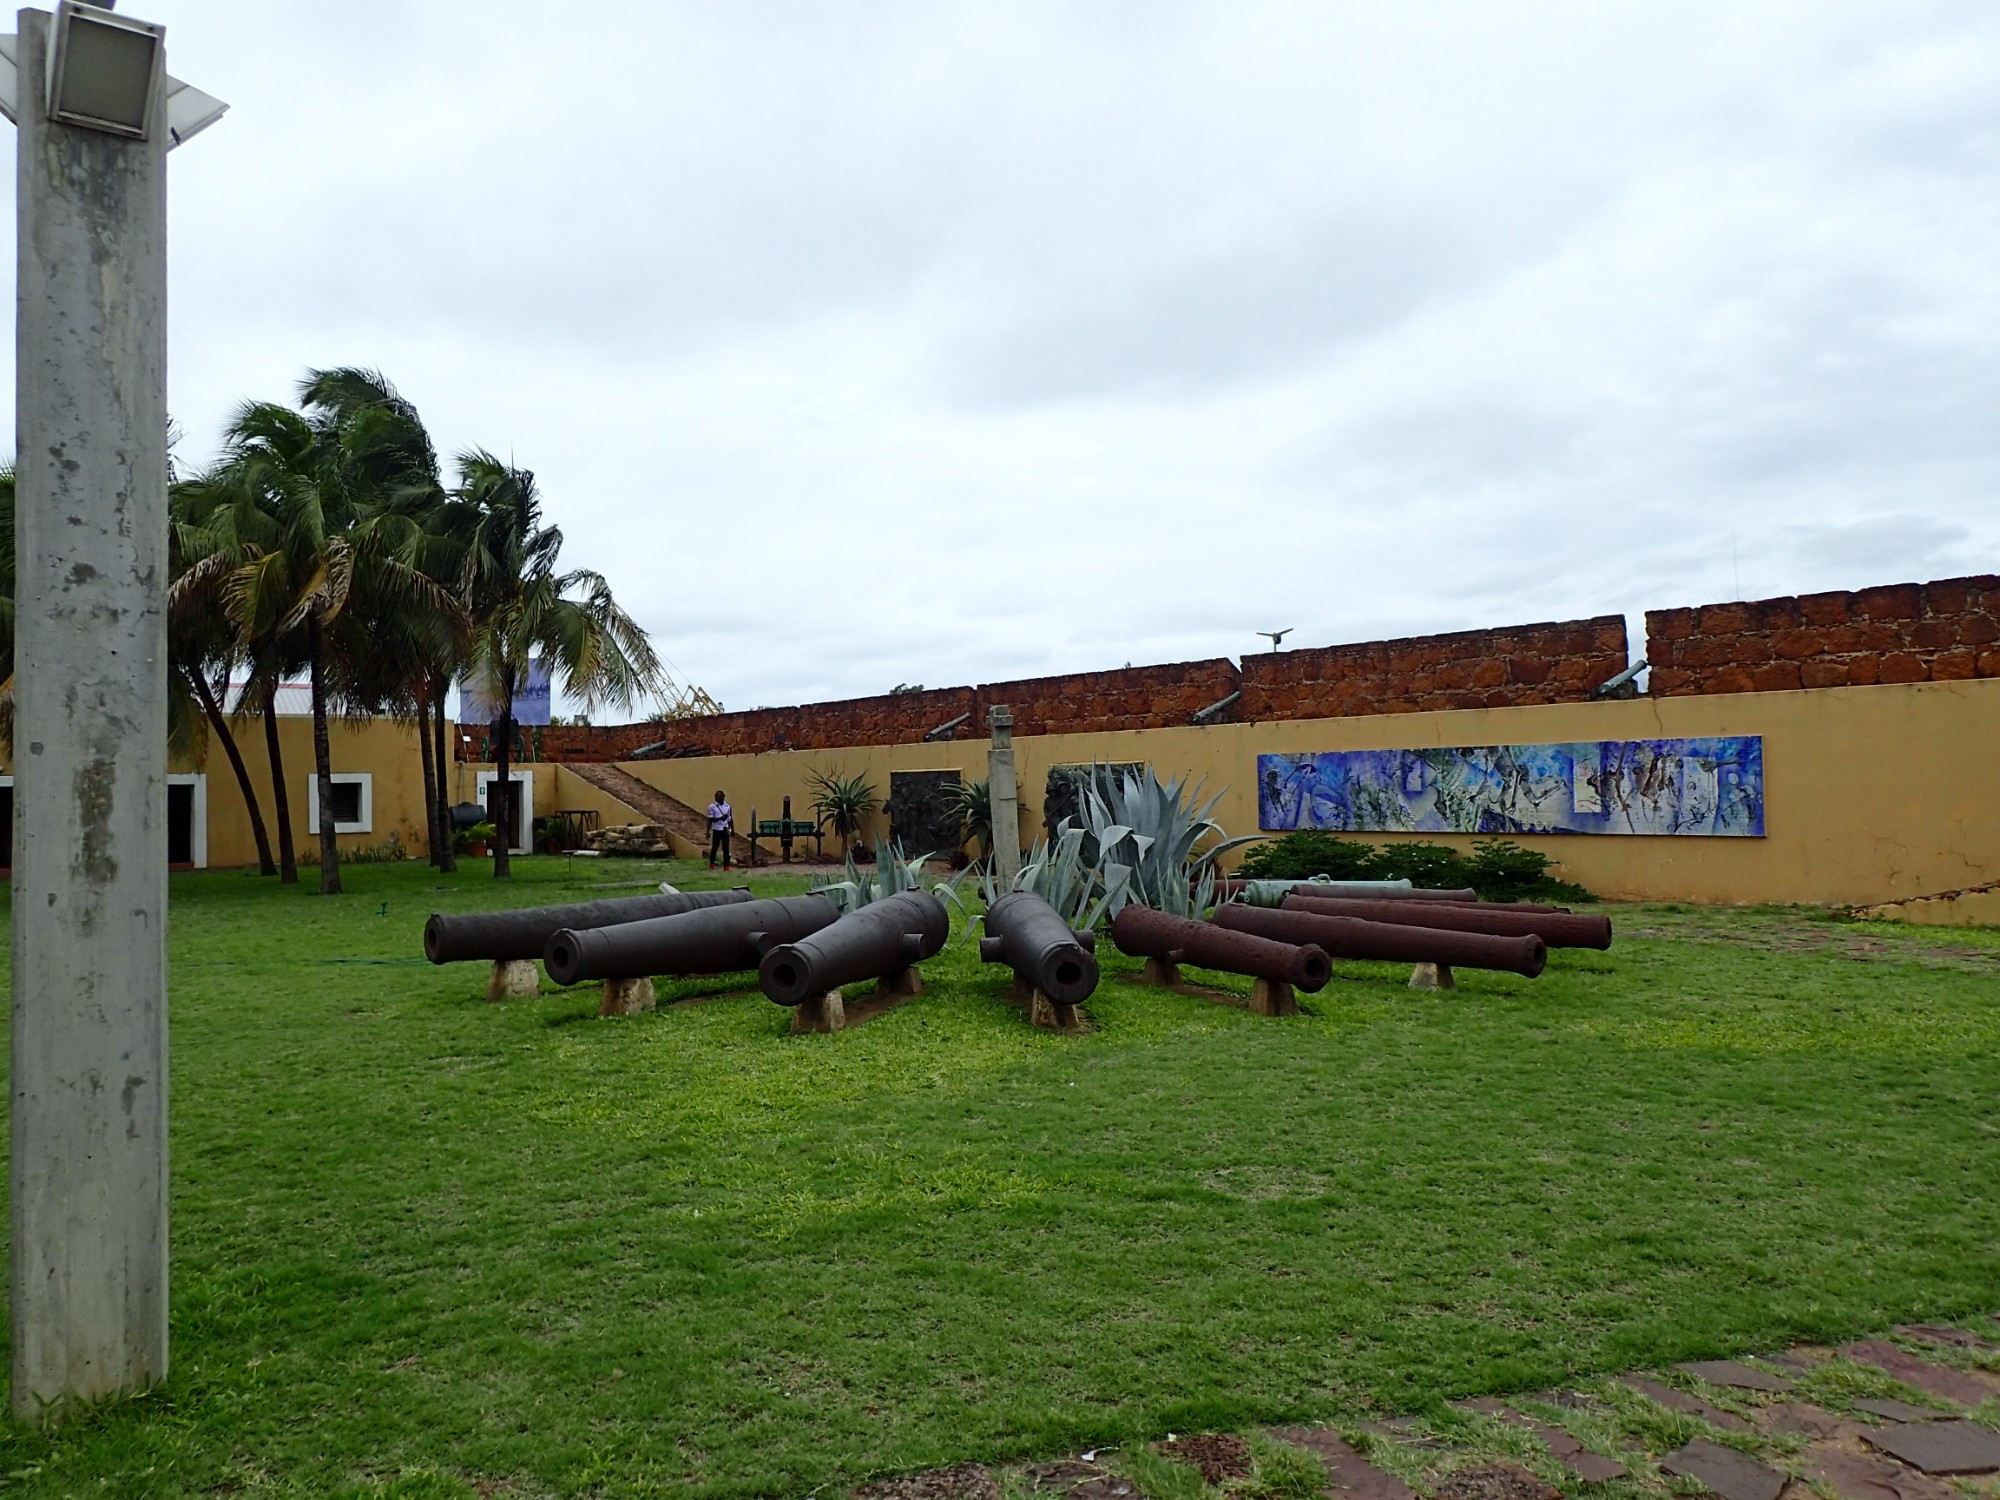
(1703, 788)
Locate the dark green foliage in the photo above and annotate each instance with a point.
(1499, 869)
(1300, 856)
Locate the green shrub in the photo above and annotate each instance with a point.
(1499, 869)
(1300, 856)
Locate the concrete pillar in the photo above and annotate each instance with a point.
(1005, 792)
(89, 1108)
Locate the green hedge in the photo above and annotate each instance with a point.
(1499, 869)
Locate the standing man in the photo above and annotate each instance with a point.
(721, 821)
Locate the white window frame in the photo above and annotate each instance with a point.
(483, 781)
(364, 824)
(199, 781)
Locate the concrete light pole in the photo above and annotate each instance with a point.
(89, 1107)
(1003, 795)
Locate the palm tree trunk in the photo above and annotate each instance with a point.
(265, 865)
(448, 854)
(329, 843)
(430, 781)
(503, 867)
(281, 803)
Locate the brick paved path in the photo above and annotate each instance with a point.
(1912, 1416)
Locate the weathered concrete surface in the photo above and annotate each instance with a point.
(1004, 796)
(89, 1106)
(514, 979)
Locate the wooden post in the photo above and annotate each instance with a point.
(1159, 972)
(1432, 977)
(513, 979)
(1051, 1015)
(627, 997)
(820, 1013)
(906, 982)
(1273, 997)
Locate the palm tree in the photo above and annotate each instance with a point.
(520, 607)
(404, 631)
(200, 640)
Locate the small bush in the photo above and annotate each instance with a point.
(1499, 869)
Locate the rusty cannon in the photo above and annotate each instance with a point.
(1556, 929)
(1054, 967)
(883, 941)
(1236, 888)
(1166, 942)
(707, 940)
(513, 940)
(1437, 950)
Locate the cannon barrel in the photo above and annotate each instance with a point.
(1027, 934)
(871, 943)
(1141, 932)
(1350, 937)
(507, 935)
(1557, 929)
(708, 940)
(1351, 890)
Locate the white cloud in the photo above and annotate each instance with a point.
(1042, 338)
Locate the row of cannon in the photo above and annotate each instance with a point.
(806, 951)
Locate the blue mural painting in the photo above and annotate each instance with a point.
(1712, 788)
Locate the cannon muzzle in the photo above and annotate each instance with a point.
(872, 943)
(1027, 934)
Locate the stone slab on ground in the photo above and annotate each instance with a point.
(1864, 1476)
(1354, 1478)
(1732, 1475)
(1899, 1411)
(1939, 1333)
(1079, 1480)
(1953, 1385)
(959, 1482)
(1735, 1375)
(1682, 1402)
(1495, 1481)
(1809, 1421)
(1942, 1447)
(1592, 1468)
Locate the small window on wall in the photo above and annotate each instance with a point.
(353, 802)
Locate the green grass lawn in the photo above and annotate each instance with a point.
(428, 1246)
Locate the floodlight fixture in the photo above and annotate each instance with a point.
(189, 110)
(104, 69)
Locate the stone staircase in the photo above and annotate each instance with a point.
(651, 804)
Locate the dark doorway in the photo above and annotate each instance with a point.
(180, 826)
(924, 812)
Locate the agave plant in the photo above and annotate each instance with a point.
(1154, 826)
(1137, 843)
(893, 871)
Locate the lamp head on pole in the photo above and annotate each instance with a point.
(104, 73)
(104, 69)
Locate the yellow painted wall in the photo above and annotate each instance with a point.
(1872, 793)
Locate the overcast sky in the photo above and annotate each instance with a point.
(864, 344)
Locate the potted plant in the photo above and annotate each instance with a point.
(475, 840)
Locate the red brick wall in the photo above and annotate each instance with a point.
(1903, 632)
(1558, 662)
(891, 719)
(1128, 698)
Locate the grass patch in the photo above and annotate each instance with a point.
(426, 1246)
